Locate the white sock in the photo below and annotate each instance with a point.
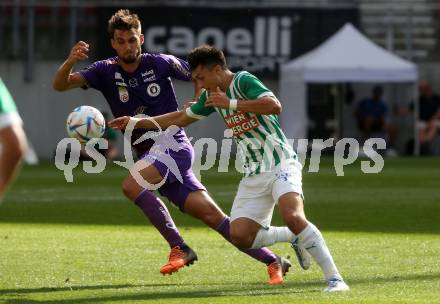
(267, 237)
(311, 239)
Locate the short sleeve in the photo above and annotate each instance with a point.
(252, 87)
(198, 110)
(174, 67)
(93, 74)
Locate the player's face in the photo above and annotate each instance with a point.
(207, 78)
(127, 44)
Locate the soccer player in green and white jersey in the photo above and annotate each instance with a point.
(272, 171)
(12, 139)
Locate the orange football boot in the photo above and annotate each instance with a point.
(177, 259)
(277, 270)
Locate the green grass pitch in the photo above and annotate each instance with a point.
(85, 243)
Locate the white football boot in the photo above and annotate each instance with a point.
(336, 284)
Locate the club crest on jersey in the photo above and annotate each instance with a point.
(153, 89)
(123, 94)
(133, 82)
(118, 76)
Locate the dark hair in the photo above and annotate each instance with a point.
(123, 20)
(207, 56)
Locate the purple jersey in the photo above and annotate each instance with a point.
(148, 90)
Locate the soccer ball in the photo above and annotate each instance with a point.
(85, 123)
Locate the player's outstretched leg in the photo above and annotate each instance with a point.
(273, 234)
(158, 214)
(308, 242)
(300, 233)
(277, 267)
(156, 211)
(200, 205)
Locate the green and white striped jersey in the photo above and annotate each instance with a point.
(260, 140)
(7, 104)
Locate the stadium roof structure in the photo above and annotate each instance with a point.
(347, 56)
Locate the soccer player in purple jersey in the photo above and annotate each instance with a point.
(140, 83)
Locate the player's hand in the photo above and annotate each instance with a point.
(119, 123)
(79, 52)
(218, 99)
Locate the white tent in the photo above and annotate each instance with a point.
(347, 56)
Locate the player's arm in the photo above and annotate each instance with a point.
(267, 105)
(64, 78)
(264, 105)
(177, 118)
(197, 92)
(180, 118)
(174, 67)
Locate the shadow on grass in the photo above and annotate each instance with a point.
(224, 290)
(69, 288)
(400, 217)
(244, 290)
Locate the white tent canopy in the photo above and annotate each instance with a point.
(347, 56)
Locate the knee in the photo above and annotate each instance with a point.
(294, 218)
(292, 210)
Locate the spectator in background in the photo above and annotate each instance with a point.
(371, 114)
(429, 114)
(428, 124)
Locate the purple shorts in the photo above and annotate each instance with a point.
(173, 189)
